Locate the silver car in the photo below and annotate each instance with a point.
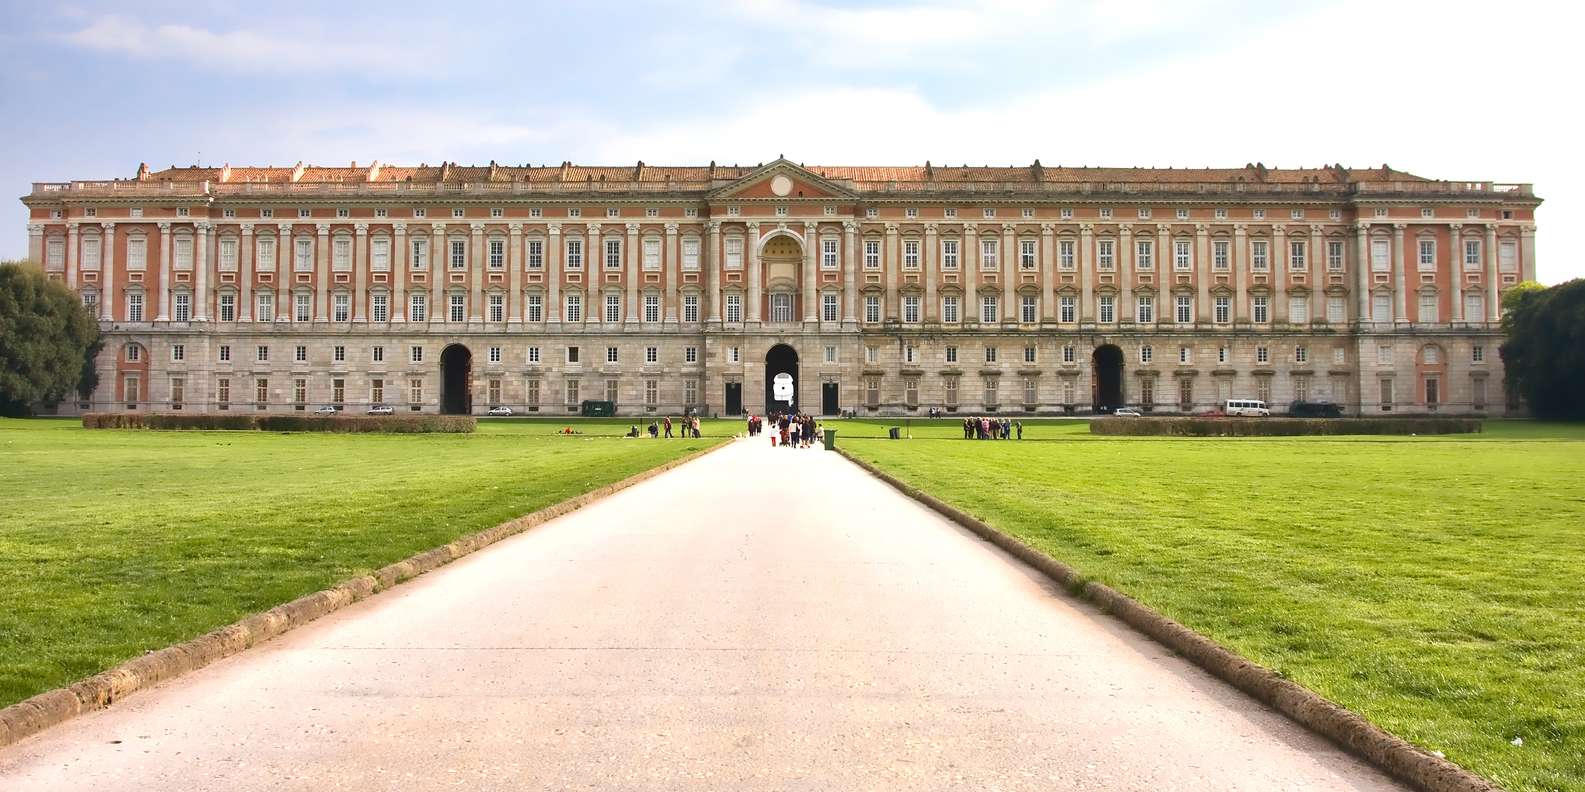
(1126, 412)
(381, 409)
(500, 411)
(326, 410)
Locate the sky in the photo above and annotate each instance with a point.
(1468, 91)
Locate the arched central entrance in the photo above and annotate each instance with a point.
(456, 376)
(1106, 380)
(781, 359)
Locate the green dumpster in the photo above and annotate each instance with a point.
(831, 439)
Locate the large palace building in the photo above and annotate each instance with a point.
(881, 290)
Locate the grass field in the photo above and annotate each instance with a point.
(116, 542)
(1435, 585)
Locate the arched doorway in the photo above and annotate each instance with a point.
(781, 359)
(456, 377)
(1107, 378)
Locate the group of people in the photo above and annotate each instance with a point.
(986, 428)
(686, 426)
(786, 430)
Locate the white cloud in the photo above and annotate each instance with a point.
(294, 48)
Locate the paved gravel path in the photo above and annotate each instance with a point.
(755, 620)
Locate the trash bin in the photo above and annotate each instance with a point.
(831, 439)
(894, 433)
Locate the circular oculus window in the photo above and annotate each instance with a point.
(781, 185)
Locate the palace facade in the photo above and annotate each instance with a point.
(882, 290)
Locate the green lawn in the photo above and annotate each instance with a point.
(117, 542)
(1435, 585)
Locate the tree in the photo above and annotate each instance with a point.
(45, 338)
(1544, 356)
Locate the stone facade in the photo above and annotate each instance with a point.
(884, 290)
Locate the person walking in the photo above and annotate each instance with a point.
(667, 426)
(1019, 425)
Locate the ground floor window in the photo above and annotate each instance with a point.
(1477, 391)
(872, 391)
(690, 392)
(1031, 392)
(911, 391)
(1263, 389)
(338, 392)
(1147, 394)
(223, 393)
(300, 393)
(1185, 395)
(571, 389)
(494, 391)
(178, 392)
(651, 393)
(1068, 390)
(1386, 394)
(376, 391)
(415, 392)
(993, 387)
(612, 387)
(1301, 388)
(531, 394)
(949, 389)
(1433, 392)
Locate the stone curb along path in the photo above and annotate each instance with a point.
(33, 715)
(1394, 755)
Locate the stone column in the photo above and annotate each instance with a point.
(245, 273)
(1489, 252)
(201, 280)
(1279, 274)
(514, 278)
(850, 265)
(1240, 273)
(1126, 310)
(322, 277)
(360, 271)
(929, 260)
(969, 268)
(1010, 273)
(439, 273)
(756, 283)
(891, 264)
(1400, 279)
(1362, 276)
(1202, 274)
(476, 263)
(1048, 276)
(633, 276)
(1527, 252)
(553, 255)
(1319, 274)
(712, 272)
(107, 271)
(671, 267)
(593, 275)
(401, 265)
(36, 243)
(1455, 243)
(164, 314)
(73, 243)
(811, 296)
(1086, 277)
(283, 272)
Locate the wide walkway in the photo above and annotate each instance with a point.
(755, 620)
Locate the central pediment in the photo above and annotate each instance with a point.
(782, 180)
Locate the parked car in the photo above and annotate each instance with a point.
(500, 411)
(1126, 412)
(1315, 409)
(1247, 408)
(325, 410)
(381, 409)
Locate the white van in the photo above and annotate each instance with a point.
(1247, 407)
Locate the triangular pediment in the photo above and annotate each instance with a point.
(782, 180)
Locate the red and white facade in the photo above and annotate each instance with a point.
(882, 289)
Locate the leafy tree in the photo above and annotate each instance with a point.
(45, 338)
(1544, 356)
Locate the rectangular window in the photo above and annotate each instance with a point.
(1146, 309)
(734, 308)
(261, 391)
(1067, 308)
(1474, 307)
(223, 393)
(949, 254)
(952, 354)
(872, 308)
(261, 354)
(534, 308)
(303, 260)
(1334, 256)
(734, 253)
(1108, 308)
(497, 254)
(1219, 254)
(651, 393)
(571, 390)
(690, 392)
(415, 392)
(338, 391)
(872, 254)
(1029, 354)
(1068, 354)
(1027, 310)
(911, 308)
(1262, 355)
(531, 394)
(380, 254)
(828, 307)
(419, 260)
(533, 356)
(300, 392)
(690, 254)
(1262, 310)
(1185, 355)
(1144, 252)
(830, 353)
(1381, 308)
(379, 307)
(1336, 310)
(456, 307)
(652, 308)
(417, 310)
(574, 254)
(652, 254)
(1026, 254)
(184, 307)
(1296, 255)
(949, 309)
(341, 254)
(613, 308)
(183, 253)
(781, 307)
(1427, 255)
(138, 253)
(1065, 257)
(228, 307)
(911, 254)
(228, 254)
(377, 354)
(459, 254)
(178, 352)
(613, 254)
(300, 354)
(264, 307)
(612, 390)
(494, 354)
(536, 254)
(1258, 256)
(1381, 255)
(1106, 254)
(828, 253)
(1180, 254)
(225, 353)
(949, 390)
(1183, 309)
(993, 397)
(1472, 255)
(1147, 354)
(1428, 308)
(1223, 307)
(342, 307)
(988, 251)
(573, 355)
(690, 308)
(376, 391)
(496, 305)
(1508, 256)
(911, 391)
(573, 311)
(988, 312)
